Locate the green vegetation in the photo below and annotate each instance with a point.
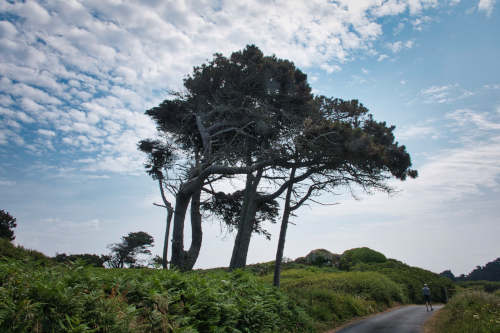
(411, 279)
(38, 294)
(332, 298)
(76, 298)
(470, 311)
(352, 257)
(487, 286)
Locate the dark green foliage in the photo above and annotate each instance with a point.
(126, 252)
(227, 208)
(487, 286)
(76, 298)
(356, 256)
(88, 259)
(489, 272)
(447, 273)
(7, 224)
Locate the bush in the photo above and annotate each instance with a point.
(77, 298)
(488, 286)
(470, 311)
(332, 298)
(412, 280)
(360, 255)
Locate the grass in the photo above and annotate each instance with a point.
(75, 298)
(333, 298)
(470, 311)
(39, 295)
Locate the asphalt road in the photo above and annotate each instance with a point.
(407, 319)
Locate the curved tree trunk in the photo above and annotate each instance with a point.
(181, 259)
(247, 218)
(284, 225)
(196, 232)
(170, 213)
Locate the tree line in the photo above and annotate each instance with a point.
(254, 118)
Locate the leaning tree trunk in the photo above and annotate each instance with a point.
(245, 225)
(284, 225)
(181, 259)
(170, 213)
(192, 254)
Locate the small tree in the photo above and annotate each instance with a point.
(7, 223)
(126, 252)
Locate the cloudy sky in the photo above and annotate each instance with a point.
(77, 76)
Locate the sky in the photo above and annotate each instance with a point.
(77, 76)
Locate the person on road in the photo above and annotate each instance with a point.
(427, 297)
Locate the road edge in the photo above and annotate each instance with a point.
(356, 319)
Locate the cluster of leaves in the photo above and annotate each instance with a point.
(78, 298)
(470, 311)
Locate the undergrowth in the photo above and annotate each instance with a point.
(470, 311)
(75, 298)
(332, 298)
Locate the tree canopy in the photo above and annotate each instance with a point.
(126, 252)
(7, 225)
(255, 116)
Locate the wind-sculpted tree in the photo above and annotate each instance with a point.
(132, 245)
(231, 120)
(254, 115)
(350, 148)
(161, 158)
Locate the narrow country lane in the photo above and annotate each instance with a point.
(407, 319)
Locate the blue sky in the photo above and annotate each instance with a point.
(77, 76)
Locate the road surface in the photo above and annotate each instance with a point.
(407, 319)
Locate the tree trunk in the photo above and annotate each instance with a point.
(170, 213)
(181, 259)
(284, 225)
(247, 218)
(196, 232)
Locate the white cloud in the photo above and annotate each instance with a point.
(47, 133)
(382, 57)
(89, 70)
(445, 94)
(486, 6)
(420, 22)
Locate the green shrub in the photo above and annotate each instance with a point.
(77, 298)
(470, 311)
(412, 280)
(332, 298)
(488, 286)
(360, 255)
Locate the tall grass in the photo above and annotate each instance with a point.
(470, 311)
(37, 298)
(332, 298)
